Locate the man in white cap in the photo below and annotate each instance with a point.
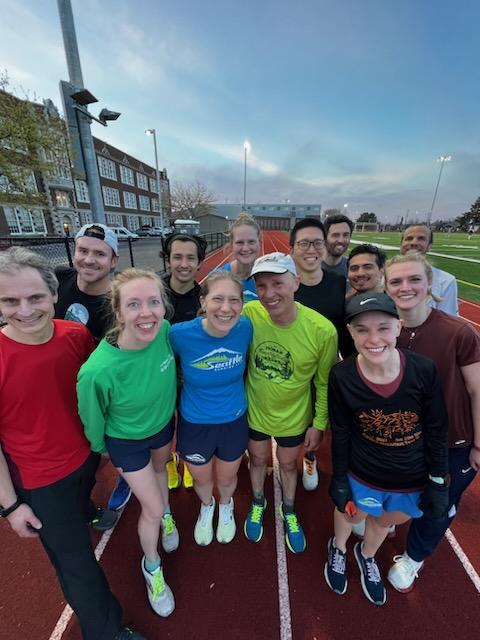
(83, 297)
(292, 347)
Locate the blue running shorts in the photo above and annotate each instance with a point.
(198, 443)
(376, 501)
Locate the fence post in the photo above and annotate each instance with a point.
(69, 253)
(131, 252)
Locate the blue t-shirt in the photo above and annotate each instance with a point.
(213, 391)
(249, 289)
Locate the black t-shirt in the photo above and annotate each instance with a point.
(93, 311)
(328, 298)
(392, 442)
(185, 305)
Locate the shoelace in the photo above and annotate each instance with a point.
(158, 583)
(226, 512)
(168, 524)
(292, 522)
(373, 574)
(309, 467)
(338, 562)
(257, 511)
(205, 514)
(405, 566)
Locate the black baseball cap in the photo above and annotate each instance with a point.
(363, 302)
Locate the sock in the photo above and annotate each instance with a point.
(287, 505)
(152, 566)
(258, 497)
(310, 455)
(167, 510)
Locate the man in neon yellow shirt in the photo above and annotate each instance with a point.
(292, 347)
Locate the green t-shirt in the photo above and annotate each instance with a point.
(283, 362)
(127, 394)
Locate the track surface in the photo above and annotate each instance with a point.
(232, 591)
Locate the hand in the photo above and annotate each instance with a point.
(435, 500)
(475, 459)
(24, 522)
(340, 492)
(313, 438)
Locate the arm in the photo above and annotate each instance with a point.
(339, 489)
(471, 375)
(435, 426)
(23, 521)
(449, 301)
(92, 408)
(327, 358)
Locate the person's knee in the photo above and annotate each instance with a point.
(288, 466)
(258, 460)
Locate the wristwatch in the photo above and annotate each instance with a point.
(4, 513)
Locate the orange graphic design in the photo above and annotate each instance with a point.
(397, 429)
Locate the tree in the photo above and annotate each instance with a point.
(191, 200)
(32, 144)
(367, 217)
(470, 218)
(331, 212)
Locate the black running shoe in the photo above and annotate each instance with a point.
(335, 571)
(370, 577)
(126, 633)
(103, 519)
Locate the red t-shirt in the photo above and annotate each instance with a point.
(40, 432)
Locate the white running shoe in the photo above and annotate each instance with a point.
(203, 532)
(226, 527)
(170, 537)
(309, 474)
(403, 572)
(159, 593)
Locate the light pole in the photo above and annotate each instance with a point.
(442, 160)
(246, 149)
(152, 132)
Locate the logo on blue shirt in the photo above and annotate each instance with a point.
(218, 360)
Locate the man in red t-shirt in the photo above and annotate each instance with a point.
(46, 467)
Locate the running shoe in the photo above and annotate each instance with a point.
(403, 572)
(335, 571)
(203, 532)
(372, 583)
(120, 495)
(126, 633)
(159, 593)
(103, 519)
(187, 477)
(172, 472)
(294, 536)
(253, 527)
(170, 537)
(310, 473)
(226, 527)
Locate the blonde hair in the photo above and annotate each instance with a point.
(122, 278)
(244, 219)
(217, 276)
(413, 256)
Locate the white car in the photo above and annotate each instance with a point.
(123, 233)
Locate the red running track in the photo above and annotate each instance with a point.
(232, 591)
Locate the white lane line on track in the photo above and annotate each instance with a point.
(282, 570)
(462, 556)
(67, 613)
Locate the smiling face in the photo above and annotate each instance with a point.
(222, 306)
(245, 244)
(338, 239)
(407, 284)
(364, 274)
(26, 304)
(375, 335)
(183, 261)
(276, 292)
(417, 238)
(93, 260)
(140, 314)
(308, 250)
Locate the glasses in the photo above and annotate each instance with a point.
(304, 245)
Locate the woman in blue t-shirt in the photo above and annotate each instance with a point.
(212, 431)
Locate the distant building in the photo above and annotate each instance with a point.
(270, 216)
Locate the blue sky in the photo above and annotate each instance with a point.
(346, 102)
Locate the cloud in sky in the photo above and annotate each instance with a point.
(342, 102)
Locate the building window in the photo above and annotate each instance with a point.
(111, 197)
(81, 190)
(85, 217)
(153, 185)
(155, 205)
(146, 220)
(133, 222)
(142, 181)
(114, 219)
(107, 168)
(21, 220)
(62, 199)
(130, 200)
(144, 203)
(126, 175)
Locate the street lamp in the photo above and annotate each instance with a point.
(246, 149)
(152, 132)
(442, 160)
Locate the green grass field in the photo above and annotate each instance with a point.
(453, 245)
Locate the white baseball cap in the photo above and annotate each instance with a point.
(100, 231)
(274, 263)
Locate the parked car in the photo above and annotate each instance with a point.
(123, 233)
(144, 230)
